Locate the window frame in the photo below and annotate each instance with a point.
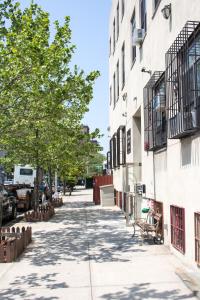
(143, 15)
(123, 66)
(133, 48)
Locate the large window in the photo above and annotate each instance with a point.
(110, 95)
(122, 8)
(114, 37)
(121, 145)
(133, 27)
(183, 82)
(26, 172)
(114, 89)
(117, 21)
(117, 71)
(177, 215)
(143, 15)
(123, 65)
(155, 127)
(197, 237)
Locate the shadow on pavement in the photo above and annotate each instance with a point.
(144, 291)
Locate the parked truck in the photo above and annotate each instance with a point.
(24, 177)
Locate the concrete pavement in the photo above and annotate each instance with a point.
(85, 253)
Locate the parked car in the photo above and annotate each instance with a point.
(8, 205)
(8, 182)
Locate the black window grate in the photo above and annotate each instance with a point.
(155, 129)
(177, 215)
(183, 82)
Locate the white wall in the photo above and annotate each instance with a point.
(172, 176)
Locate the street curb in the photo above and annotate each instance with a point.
(190, 281)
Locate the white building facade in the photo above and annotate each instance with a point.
(154, 81)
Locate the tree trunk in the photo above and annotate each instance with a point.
(64, 187)
(36, 184)
(50, 183)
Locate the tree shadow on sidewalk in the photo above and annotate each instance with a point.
(83, 236)
(144, 291)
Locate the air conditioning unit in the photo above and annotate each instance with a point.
(190, 120)
(138, 36)
(159, 103)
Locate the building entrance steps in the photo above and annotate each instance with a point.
(86, 252)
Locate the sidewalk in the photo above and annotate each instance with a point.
(87, 253)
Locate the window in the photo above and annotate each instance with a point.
(128, 141)
(121, 145)
(117, 80)
(133, 48)
(123, 65)
(111, 153)
(197, 237)
(117, 21)
(183, 82)
(177, 215)
(114, 149)
(110, 95)
(156, 3)
(108, 160)
(114, 38)
(155, 126)
(110, 47)
(27, 172)
(143, 15)
(114, 89)
(123, 8)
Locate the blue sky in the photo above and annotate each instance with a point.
(89, 25)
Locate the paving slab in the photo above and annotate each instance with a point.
(86, 252)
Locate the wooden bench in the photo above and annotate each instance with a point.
(154, 230)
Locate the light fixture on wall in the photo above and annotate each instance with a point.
(166, 11)
(143, 70)
(124, 114)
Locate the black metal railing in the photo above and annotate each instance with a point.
(183, 82)
(155, 129)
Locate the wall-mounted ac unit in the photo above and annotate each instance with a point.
(190, 119)
(138, 36)
(159, 103)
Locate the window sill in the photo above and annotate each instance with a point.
(155, 10)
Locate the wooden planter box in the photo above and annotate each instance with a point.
(42, 213)
(57, 202)
(13, 242)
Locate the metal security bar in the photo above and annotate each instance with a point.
(155, 132)
(177, 215)
(197, 237)
(183, 82)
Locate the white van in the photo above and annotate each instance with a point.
(24, 175)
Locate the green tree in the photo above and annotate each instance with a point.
(42, 101)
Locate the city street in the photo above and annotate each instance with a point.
(86, 252)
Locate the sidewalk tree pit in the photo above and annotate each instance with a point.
(40, 214)
(13, 241)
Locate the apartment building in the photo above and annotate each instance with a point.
(154, 115)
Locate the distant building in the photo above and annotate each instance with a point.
(154, 83)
